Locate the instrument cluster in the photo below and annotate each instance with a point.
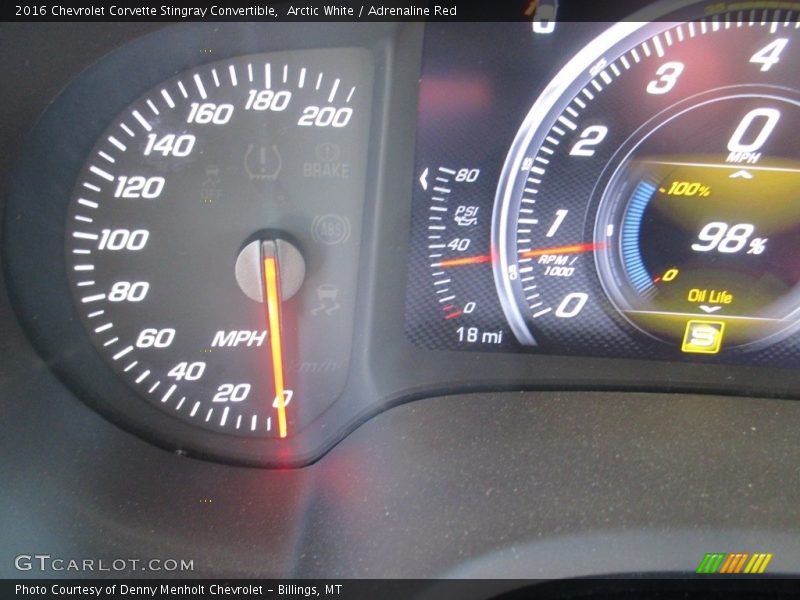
(265, 234)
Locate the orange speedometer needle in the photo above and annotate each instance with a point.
(272, 296)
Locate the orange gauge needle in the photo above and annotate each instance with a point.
(571, 249)
(272, 295)
(486, 258)
(469, 260)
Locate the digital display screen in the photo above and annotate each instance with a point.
(610, 189)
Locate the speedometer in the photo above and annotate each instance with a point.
(184, 235)
(650, 193)
(212, 239)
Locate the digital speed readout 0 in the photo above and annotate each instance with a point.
(635, 197)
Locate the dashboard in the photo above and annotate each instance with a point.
(429, 300)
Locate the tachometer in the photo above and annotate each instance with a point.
(658, 171)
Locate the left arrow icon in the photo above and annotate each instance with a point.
(423, 179)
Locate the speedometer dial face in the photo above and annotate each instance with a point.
(213, 236)
(648, 206)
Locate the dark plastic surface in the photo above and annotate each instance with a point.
(505, 485)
